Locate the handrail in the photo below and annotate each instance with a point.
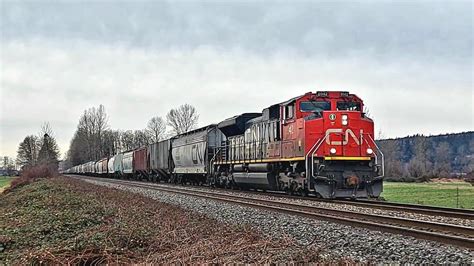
(381, 155)
(376, 157)
(310, 150)
(211, 166)
(313, 152)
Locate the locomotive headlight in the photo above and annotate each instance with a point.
(370, 151)
(332, 150)
(344, 120)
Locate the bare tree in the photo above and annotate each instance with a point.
(156, 129)
(419, 165)
(140, 139)
(367, 113)
(89, 142)
(182, 119)
(380, 135)
(46, 129)
(101, 124)
(127, 140)
(442, 165)
(28, 151)
(393, 164)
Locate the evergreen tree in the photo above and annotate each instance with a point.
(49, 152)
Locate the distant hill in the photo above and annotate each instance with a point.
(420, 157)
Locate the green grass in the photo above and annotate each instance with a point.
(435, 194)
(5, 181)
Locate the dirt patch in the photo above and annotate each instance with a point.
(63, 220)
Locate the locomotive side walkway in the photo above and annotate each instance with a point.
(335, 240)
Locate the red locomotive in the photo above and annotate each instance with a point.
(318, 142)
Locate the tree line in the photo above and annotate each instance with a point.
(419, 158)
(8, 163)
(94, 139)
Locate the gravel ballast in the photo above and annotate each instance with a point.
(336, 206)
(334, 240)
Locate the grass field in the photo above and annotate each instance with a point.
(5, 182)
(436, 194)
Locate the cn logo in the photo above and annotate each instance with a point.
(348, 133)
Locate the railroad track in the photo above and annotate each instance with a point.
(446, 233)
(385, 205)
(415, 208)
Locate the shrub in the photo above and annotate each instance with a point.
(33, 173)
(470, 178)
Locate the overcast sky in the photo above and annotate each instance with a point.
(411, 62)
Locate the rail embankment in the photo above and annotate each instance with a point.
(67, 221)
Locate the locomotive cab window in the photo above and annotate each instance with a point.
(289, 111)
(313, 106)
(348, 106)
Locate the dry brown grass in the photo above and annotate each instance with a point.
(32, 174)
(67, 221)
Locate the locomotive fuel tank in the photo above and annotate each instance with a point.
(256, 175)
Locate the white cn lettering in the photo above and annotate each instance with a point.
(346, 136)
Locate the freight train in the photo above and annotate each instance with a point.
(318, 143)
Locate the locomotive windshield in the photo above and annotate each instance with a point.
(348, 106)
(313, 106)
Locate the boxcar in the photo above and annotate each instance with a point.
(140, 163)
(160, 163)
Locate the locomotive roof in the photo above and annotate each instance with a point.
(331, 95)
(197, 130)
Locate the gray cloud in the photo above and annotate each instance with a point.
(429, 30)
(410, 62)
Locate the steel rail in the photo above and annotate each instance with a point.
(385, 205)
(423, 229)
(423, 209)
